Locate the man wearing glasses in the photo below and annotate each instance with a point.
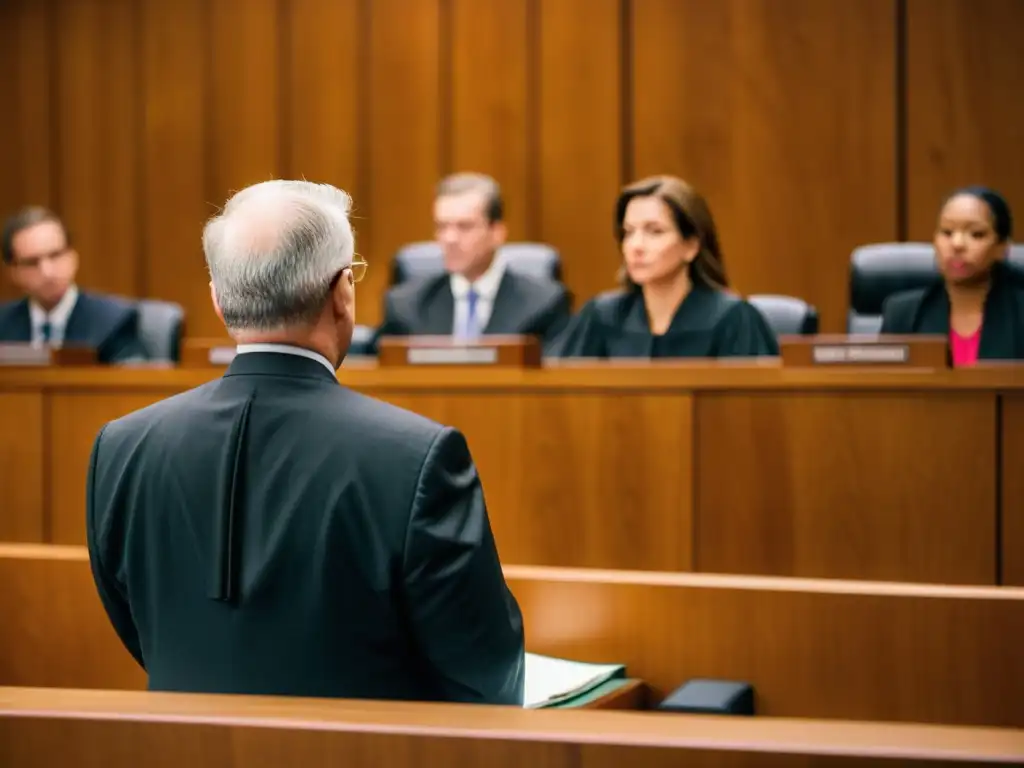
(273, 532)
(42, 263)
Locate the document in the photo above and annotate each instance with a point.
(550, 681)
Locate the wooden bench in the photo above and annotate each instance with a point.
(822, 649)
(45, 728)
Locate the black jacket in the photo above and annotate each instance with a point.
(272, 532)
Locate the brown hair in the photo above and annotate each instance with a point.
(24, 219)
(460, 183)
(692, 217)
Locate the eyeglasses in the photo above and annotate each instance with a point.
(358, 269)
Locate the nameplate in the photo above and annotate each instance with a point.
(497, 351)
(207, 353)
(859, 354)
(15, 355)
(452, 356)
(891, 351)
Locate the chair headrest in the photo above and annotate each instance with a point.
(880, 270)
(787, 315)
(423, 259)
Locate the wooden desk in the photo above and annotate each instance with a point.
(727, 468)
(45, 728)
(811, 648)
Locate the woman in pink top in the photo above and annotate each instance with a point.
(979, 302)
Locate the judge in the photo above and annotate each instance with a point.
(674, 300)
(978, 303)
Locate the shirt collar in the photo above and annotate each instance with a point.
(486, 285)
(286, 349)
(58, 316)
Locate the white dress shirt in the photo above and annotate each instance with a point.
(286, 349)
(56, 317)
(486, 288)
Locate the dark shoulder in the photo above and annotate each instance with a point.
(900, 309)
(725, 306)
(610, 307)
(542, 291)
(416, 289)
(9, 308)
(109, 309)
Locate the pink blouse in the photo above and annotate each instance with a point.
(964, 348)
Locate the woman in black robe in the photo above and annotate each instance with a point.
(978, 303)
(674, 300)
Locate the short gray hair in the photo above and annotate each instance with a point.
(274, 250)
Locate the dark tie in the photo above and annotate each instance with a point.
(47, 330)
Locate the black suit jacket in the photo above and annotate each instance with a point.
(104, 323)
(523, 305)
(926, 311)
(272, 532)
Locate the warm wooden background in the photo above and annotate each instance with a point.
(812, 126)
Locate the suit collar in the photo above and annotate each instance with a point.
(291, 365)
(486, 285)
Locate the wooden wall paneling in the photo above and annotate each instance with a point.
(493, 118)
(783, 115)
(322, 64)
(246, 118)
(26, 132)
(404, 134)
(964, 123)
(887, 486)
(1012, 491)
(548, 461)
(580, 137)
(175, 48)
(97, 119)
(74, 422)
(21, 467)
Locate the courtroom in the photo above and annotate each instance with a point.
(569, 383)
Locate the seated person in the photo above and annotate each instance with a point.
(979, 301)
(478, 294)
(674, 301)
(42, 264)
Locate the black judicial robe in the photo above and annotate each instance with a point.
(273, 532)
(709, 323)
(926, 311)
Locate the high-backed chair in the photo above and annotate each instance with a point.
(362, 341)
(423, 259)
(880, 270)
(787, 315)
(161, 324)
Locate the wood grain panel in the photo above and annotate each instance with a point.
(961, 126)
(868, 486)
(245, 112)
(98, 116)
(783, 115)
(26, 132)
(75, 420)
(492, 122)
(580, 146)
(404, 131)
(547, 462)
(323, 60)
(175, 44)
(21, 467)
(826, 649)
(1012, 492)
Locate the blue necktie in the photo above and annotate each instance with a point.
(47, 331)
(471, 331)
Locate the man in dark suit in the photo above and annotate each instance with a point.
(42, 263)
(273, 532)
(477, 294)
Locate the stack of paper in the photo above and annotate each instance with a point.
(550, 681)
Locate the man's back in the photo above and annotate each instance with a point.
(272, 532)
